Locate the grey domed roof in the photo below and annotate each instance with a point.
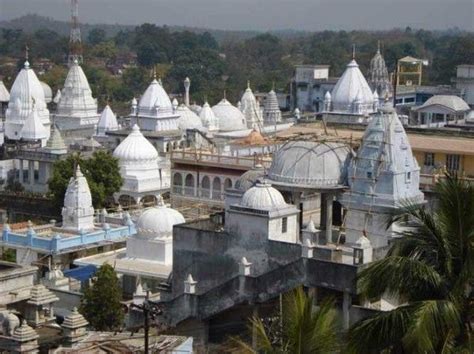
(250, 178)
(310, 164)
(262, 196)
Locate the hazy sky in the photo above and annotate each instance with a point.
(260, 14)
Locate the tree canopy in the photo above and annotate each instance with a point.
(213, 66)
(430, 271)
(299, 328)
(102, 172)
(101, 303)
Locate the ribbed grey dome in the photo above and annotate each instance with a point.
(311, 164)
(250, 178)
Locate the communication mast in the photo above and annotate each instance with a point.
(75, 42)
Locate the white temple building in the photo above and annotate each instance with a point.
(229, 117)
(383, 177)
(154, 111)
(148, 257)
(77, 108)
(188, 119)
(378, 76)
(33, 129)
(251, 109)
(107, 122)
(351, 100)
(263, 213)
(208, 118)
(25, 92)
(144, 173)
(271, 109)
(4, 94)
(78, 212)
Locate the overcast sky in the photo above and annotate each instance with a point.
(259, 14)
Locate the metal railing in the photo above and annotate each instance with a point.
(203, 157)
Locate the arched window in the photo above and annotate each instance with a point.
(126, 200)
(206, 187)
(216, 188)
(189, 185)
(227, 183)
(177, 183)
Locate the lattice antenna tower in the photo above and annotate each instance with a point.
(75, 41)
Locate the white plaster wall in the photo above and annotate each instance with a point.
(291, 234)
(376, 227)
(153, 250)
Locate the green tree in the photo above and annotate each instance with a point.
(430, 270)
(102, 172)
(96, 36)
(101, 303)
(303, 329)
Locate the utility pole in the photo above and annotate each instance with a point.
(150, 310)
(395, 82)
(75, 41)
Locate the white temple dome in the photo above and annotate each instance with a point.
(229, 117)
(262, 196)
(310, 164)
(78, 212)
(250, 178)
(33, 129)
(78, 193)
(76, 96)
(135, 148)
(24, 90)
(155, 96)
(188, 119)
(107, 121)
(4, 94)
(48, 93)
(208, 118)
(351, 87)
(158, 221)
(195, 108)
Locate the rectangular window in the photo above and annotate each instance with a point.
(429, 159)
(284, 225)
(452, 162)
(369, 175)
(408, 177)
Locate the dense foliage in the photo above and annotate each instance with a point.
(102, 172)
(213, 67)
(431, 271)
(300, 328)
(101, 303)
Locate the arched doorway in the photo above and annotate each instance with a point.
(189, 185)
(206, 187)
(126, 200)
(177, 183)
(216, 188)
(227, 183)
(148, 201)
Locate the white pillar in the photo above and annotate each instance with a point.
(328, 200)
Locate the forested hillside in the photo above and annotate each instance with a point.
(226, 64)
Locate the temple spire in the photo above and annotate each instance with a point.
(378, 46)
(353, 52)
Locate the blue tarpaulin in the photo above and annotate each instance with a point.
(81, 273)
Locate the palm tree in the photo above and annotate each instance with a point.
(430, 270)
(301, 329)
